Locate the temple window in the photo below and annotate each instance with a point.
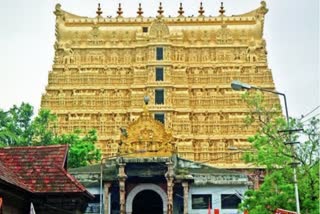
(201, 201)
(159, 96)
(159, 51)
(145, 29)
(159, 116)
(159, 74)
(230, 201)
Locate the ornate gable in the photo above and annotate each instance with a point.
(146, 137)
(159, 29)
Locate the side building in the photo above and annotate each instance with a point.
(34, 179)
(105, 66)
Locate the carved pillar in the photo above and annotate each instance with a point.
(122, 184)
(257, 176)
(170, 178)
(185, 196)
(106, 197)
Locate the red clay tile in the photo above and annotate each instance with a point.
(38, 169)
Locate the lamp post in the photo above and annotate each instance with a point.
(237, 85)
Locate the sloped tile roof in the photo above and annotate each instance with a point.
(41, 169)
(9, 177)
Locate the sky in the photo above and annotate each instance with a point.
(291, 31)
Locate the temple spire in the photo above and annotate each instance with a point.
(139, 12)
(201, 11)
(160, 11)
(221, 11)
(99, 11)
(119, 12)
(180, 11)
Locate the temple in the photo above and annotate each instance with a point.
(173, 153)
(105, 66)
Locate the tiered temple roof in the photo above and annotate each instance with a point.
(104, 66)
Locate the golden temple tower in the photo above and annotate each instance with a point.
(104, 66)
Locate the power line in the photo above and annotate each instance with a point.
(304, 116)
(310, 118)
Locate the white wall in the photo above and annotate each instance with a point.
(215, 192)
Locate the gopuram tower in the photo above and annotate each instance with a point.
(105, 66)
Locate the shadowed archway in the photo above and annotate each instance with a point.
(143, 187)
(147, 202)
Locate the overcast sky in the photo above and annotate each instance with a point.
(27, 38)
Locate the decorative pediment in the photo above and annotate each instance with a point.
(159, 29)
(146, 137)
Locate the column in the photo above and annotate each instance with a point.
(185, 186)
(106, 197)
(170, 177)
(122, 182)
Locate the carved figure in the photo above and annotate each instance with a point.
(68, 55)
(251, 52)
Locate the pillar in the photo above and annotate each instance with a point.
(256, 181)
(106, 197)
(122, 190)
(185, 186)
(170, 177)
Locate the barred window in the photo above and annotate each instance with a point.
(159, 96)
(159, 74)
(230, 201)
(201, 201)
(159, 51)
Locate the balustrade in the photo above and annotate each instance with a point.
(89, 79)
(80, 102)
(181, 101)
(260, 78)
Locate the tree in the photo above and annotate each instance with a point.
(271, 152)
(15, 125)
(18, 128)
(82, 149)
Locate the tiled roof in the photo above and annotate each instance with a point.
(9, 177)
(38, 168)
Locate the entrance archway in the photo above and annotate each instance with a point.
(155, 189)
(147, 202)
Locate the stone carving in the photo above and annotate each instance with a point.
(224, 35)
(147, 135)
(68, 55)
(251, 52)
(159, 29)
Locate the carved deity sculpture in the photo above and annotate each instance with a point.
(68, 55)
(251, 52)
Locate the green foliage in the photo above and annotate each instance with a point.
(18, 128)
(15, 125)
(271, 152)
(82, 150)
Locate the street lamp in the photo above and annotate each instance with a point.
(237, 85)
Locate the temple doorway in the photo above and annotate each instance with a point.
(146, 199)
(147, 202)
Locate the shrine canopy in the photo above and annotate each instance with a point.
(146, 137)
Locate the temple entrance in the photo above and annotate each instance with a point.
(147, 199)
(147, 202)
